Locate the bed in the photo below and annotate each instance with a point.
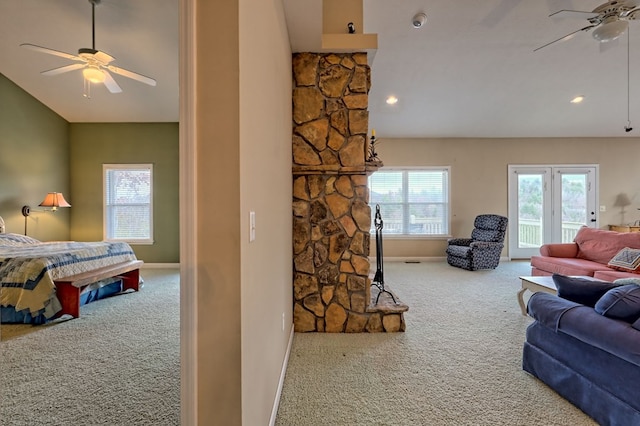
(40, 281)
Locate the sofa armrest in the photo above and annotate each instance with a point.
(548, 308)
(460, 242)
(559, 250)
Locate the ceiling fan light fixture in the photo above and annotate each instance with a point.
(93, 74)
(610, 30)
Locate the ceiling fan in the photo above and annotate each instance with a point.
(608, 21)
(95, 64)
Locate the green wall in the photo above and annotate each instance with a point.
(34, 160)
(41, 152)
(94, 144)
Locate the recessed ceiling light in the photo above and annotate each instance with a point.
(391, 100)
(577, 99)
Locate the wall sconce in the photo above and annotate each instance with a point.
(53, 200)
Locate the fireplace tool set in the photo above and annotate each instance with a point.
(378, 278)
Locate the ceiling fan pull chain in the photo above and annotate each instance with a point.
(87, 88)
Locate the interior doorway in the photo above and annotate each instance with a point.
(549, 203)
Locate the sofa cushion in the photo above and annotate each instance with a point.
(566, 265)
(601, 246)
(584, 291)
(585, 324)
(627, 259)
(621, 303)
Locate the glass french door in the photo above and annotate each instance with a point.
(549, 204)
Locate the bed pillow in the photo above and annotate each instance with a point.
(581, 290)
(621, 303)
(16, 240)
(627, 260)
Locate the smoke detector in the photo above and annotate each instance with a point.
(419, 20)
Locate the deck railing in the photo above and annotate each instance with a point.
(530, 232)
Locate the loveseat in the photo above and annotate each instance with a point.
(606, 255)
(590, 355)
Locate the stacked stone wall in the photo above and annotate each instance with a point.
(331, 213)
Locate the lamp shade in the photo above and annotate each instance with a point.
(54, 200)
(610, 30)
(622, 200)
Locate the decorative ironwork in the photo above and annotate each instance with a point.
(378, 278)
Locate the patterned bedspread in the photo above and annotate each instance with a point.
(29, 267)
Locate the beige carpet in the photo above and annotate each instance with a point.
(118, 364)
(458, 363)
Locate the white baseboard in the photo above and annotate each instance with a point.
(160, 265)
(283, 371)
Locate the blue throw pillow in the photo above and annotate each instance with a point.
(581, 290)
(621, 303)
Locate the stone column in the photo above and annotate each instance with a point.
(331, 214)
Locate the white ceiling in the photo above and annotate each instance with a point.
(469, 72)
(141, 34)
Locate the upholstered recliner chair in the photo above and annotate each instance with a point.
(482, 250)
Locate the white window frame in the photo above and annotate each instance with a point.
(406, 220)
(105, 214)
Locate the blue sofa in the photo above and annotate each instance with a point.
(588, 358)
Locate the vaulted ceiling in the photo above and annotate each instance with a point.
(470, 71)
(142, 35)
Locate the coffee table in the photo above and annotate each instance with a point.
(535, 284)
(541, 283)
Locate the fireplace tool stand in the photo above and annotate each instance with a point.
(378, 278)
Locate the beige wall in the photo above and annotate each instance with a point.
(218, 210)
(27, 127)
(243, 144)
(95, 144)
(265, 188)
(479, 176)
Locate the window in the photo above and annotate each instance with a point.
(412, 201)
(128, 203)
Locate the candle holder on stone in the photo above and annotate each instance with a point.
(372, 155)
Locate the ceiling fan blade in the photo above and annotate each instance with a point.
(60, 70)
(566, 13)
(130, 74)
(634, 14)
(103, 57)
(110, 83)
(51, 51)
(565, 38)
